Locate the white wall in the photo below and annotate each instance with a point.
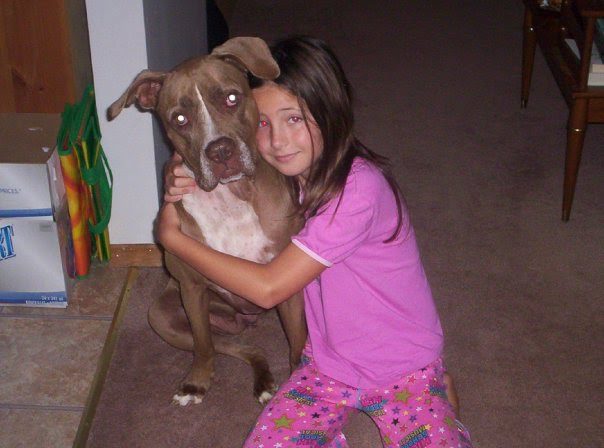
(118, 52)
(125, 38)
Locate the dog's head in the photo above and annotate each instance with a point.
(207, 108)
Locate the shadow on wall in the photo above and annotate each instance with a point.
(218, 28)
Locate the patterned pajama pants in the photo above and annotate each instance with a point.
(311, 409)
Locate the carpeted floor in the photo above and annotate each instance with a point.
(519, 292)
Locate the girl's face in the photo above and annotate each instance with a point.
(283, 136)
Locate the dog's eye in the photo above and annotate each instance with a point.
(232, 99)
(180, 119)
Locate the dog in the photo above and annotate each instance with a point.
(241, 208)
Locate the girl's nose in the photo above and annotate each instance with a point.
(278, 138)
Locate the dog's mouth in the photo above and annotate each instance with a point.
(233, 178)
(224, 160)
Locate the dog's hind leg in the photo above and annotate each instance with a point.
(168, 319)
(225, 319)
(264, 382)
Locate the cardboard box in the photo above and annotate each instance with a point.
(36, 255)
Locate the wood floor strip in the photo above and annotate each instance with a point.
(103, 366)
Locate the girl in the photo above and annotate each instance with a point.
(375, 339)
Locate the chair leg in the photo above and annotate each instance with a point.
(529, 42)
(577, 125)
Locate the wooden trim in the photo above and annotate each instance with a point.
(98, 381)
(145, 255)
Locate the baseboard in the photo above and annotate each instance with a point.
(144, 255)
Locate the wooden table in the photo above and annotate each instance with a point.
(549, 29)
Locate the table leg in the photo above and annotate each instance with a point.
(529, 42)
(577, 125)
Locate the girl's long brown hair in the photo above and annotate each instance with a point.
(311, 71)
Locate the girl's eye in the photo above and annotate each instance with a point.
(181, 120)
(295, 119)
(232, 99)
(262, 123)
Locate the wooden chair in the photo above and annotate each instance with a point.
(547, 28)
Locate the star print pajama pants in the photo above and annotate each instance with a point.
(311, 409)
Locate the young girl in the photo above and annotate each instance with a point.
(375, 339)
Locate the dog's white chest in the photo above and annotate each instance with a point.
(229, 224)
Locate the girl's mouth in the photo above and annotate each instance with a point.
(285, 158)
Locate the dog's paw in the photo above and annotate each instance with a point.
(265, 396)
(186, 399)
(189, 394)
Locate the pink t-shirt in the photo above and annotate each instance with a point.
(371, 317)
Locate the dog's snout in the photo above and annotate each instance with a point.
(220, 150)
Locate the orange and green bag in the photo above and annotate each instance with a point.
(88, 182)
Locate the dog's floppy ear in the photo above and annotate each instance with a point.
(144, 90)
(253, 53)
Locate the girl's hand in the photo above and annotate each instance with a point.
(177, 181)
(167, 225)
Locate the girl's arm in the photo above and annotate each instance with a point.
(266, 285)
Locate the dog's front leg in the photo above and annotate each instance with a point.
(197, 382)
(291, 313)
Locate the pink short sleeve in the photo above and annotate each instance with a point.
(332, 235)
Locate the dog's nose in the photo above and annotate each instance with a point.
(220, 150)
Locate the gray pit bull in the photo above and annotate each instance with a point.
(242, 207)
